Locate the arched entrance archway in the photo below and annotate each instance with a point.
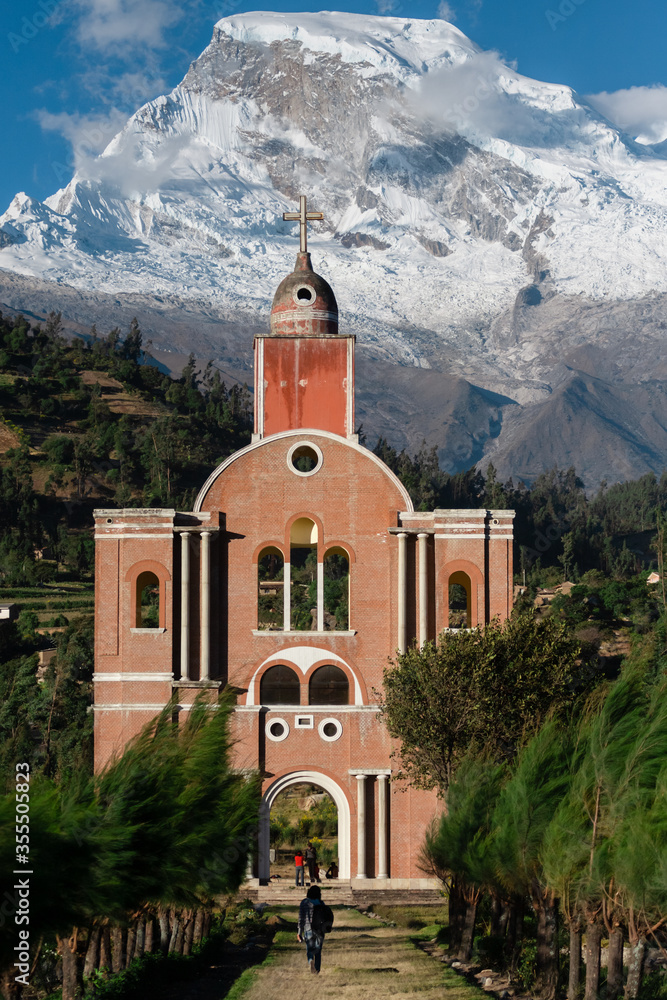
(302, 778)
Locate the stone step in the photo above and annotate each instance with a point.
(341, 894)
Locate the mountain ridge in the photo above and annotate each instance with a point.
(477, 223)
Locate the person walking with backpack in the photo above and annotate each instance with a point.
(315, 920)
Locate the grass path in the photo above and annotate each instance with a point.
(361, 959)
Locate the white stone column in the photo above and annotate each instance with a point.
(402, 592)
(361, 825)
(382, 826)
(205, 635)
(286, 596)
(185, 606)
(423, 587)
(320, 597)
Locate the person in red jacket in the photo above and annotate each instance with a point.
(298, 865)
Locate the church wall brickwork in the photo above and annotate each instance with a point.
(204, 566)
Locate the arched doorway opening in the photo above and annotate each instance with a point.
(460, 601)
(343, 826)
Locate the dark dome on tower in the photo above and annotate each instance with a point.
(304, 303)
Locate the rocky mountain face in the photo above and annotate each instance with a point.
(497, 247)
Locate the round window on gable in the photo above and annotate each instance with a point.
(330, 730)
(304, 458)
(277, 730)
(304, 295)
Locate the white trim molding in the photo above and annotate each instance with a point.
(116, 677)
(303, 658)
(123, 707)
(340, 800)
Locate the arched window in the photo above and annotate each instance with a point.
(336, 590)
(329, 686)
(271, 589)
(303, 575)
(279, 686)
(459, 600)
(147, 601)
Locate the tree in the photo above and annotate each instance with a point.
(483, 691)
(456, 847)
(165, 824)
(521, 818)
(132, 343)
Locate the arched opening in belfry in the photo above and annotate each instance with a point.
(329, 685)
(270, 590)
(459, 599)
(336, 590)
(279, 685)
(303, 576)
(148, 601)
(304, 813)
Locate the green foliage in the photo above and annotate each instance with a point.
(167, 823)
(483, 691)
(336, 589)
(557, 527)
(47, 724)
(526, 805)
(158, 459)
(242, 921)
(153, 973)
(459, 841)
(303, 588)
(490, 951)
(654, 986)
(527, 964)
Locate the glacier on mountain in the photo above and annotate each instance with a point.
(462, 201)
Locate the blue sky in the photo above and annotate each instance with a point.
(72, 71)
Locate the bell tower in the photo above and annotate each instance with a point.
(304, 369)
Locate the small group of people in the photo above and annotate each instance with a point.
(309, 860)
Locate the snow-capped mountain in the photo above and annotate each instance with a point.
(476, 223)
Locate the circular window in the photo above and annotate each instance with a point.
(304, 295)
(277, 730)
(304, 458)
(330, 730)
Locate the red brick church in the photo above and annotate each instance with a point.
(301, 569)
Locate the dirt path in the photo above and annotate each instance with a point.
(361, 959)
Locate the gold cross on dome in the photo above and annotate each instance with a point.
(303, 218)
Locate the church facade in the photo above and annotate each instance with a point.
(302, 568)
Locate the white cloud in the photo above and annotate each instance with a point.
(129, 171)
(470, 97)
(120, 27)
(132, 171)
(446, 11)
(88, 134)
(386, 7)
(639, 111)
